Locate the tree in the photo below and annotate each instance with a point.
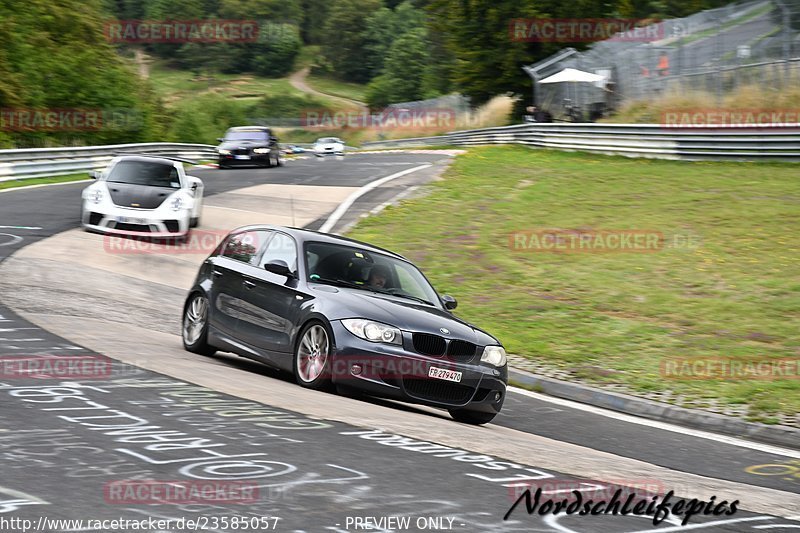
(406, 64)
(55, 56)
(315, 13)
(275, 55)
(380, 32)
(487, 61)
(265, 11)
(344, 38)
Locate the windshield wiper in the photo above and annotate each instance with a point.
(410, 297)
(342, 283)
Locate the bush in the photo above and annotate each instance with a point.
(287, 104)
(275, 56)
(205, 119)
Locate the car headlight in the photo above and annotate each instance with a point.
(260, 150)
(223, 151)
(176, 204)
(494, 355)
(373, 331)
(95, 196)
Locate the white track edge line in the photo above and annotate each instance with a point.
(766, 448)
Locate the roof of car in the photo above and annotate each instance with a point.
(248, 128)
(148, 159)
(304, 235)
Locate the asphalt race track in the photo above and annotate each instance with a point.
(313, 461)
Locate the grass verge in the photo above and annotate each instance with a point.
(13, 184)
(343, 89)
(175, 85)
(725, 285)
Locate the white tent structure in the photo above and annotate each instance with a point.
(571, 76)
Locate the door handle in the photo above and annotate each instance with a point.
(249, 284)
(217, 273)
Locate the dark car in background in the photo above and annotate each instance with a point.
(249, 145)
(338, 312)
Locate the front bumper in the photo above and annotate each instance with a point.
(236, 159)
(328, 151)
(394, 372)
(139, 222)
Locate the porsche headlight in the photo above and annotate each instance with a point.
(260, 150)
(223, 151)
(95, 196)
(494, 355)
(176, 204)
(373, 331)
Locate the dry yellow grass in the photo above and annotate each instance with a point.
(762, 97)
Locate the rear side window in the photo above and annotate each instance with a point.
(281, 247)
(243, 246)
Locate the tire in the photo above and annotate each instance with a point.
(222, 166)
(314, 347)
(471, 417)
(279, 161)
(194, 222)
(195, 314)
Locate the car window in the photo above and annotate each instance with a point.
(243, 246)
(408, 283)
(150, 173)
(255, 135)
(281, 247)
(361, 269)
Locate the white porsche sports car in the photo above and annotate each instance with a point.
(141, 195)
(327, 146)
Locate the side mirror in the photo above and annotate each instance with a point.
(95, 174)
(279, 267)
(220, 139)
(449, 302)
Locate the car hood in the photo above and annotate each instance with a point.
(404, 314)
(138, 196)
(232, 145)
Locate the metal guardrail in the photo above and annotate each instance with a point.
(45, 162)
(631, 140)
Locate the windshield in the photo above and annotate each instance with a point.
(150, 173)
(326, 140)
(246, 136)
(356, 268)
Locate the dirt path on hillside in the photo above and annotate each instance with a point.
(298, 81)
(142, 62)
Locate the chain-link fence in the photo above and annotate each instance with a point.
(714, 51)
